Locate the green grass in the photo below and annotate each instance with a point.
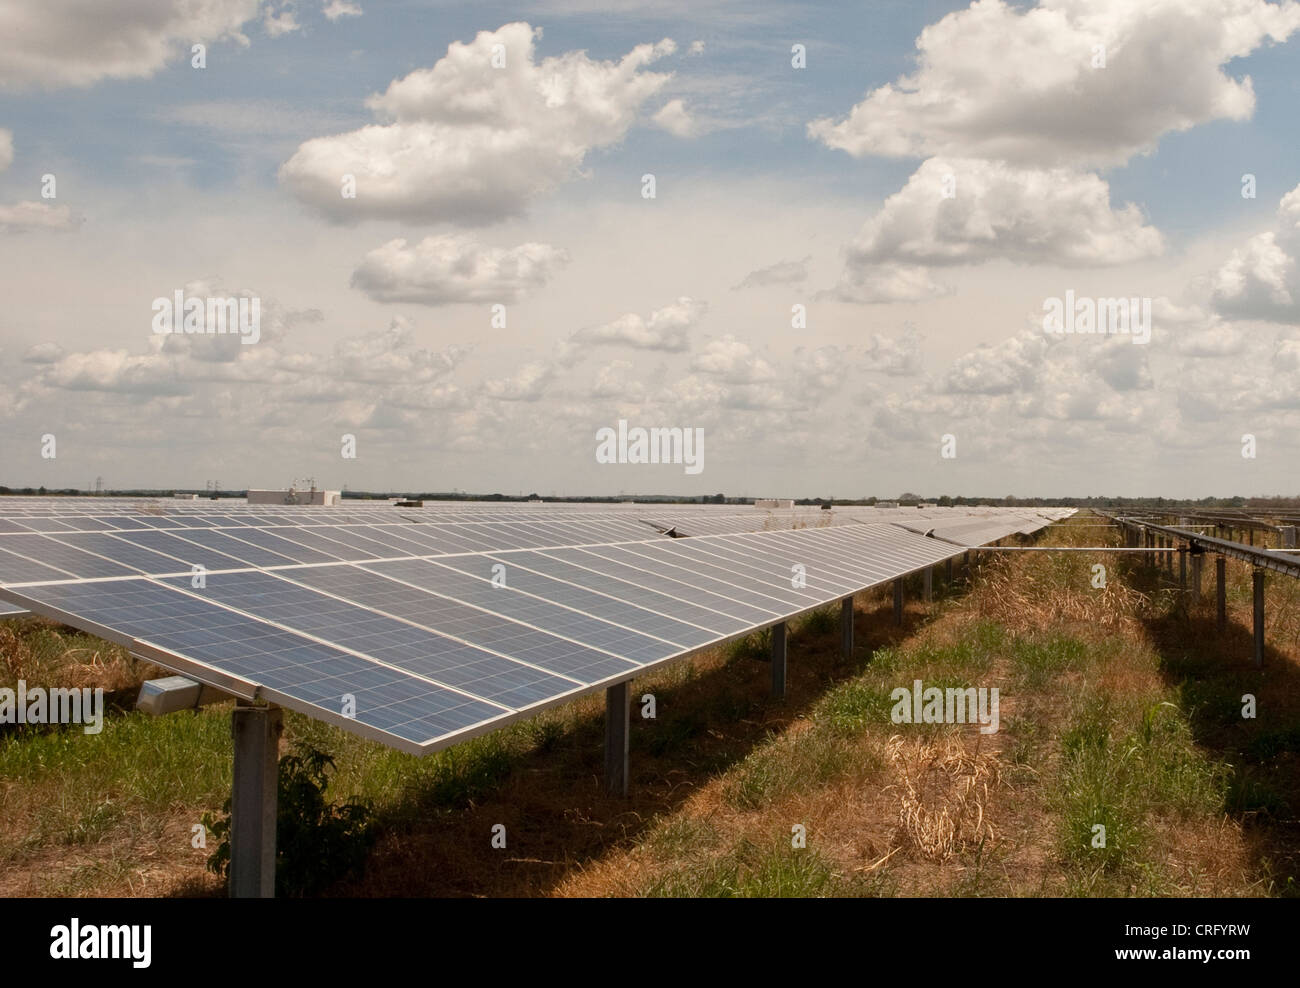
(73, 788)
(1123, 772)
(748, 871)
(795, 763)
(1037, 659)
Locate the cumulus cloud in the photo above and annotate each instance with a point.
(1261, 279)
(674, 118)
(529, 383)
(780, 273)
(818, 373)
(64, 43)
(6, 148)
(615, 380)
(382, 366)
(667, 329)
(449, 269)
(998, 369)
(732, 361)
(895, 356)
(997, 210)
(1001, 82)
(471, 143)
(1018, 108)
(335, 9)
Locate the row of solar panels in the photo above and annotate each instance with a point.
(95, 546)
(422, 652)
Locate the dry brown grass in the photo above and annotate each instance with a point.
(944, 791)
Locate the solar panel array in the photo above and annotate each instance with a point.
(422, 628)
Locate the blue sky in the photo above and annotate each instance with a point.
(921, 318)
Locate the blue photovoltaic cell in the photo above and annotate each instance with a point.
(689, 565)
(177, 545)
(599, 605)
(126, 553)
(388, 699)
(64, 557)
(14, 569)
(633, 570)
(246, 553)
(528, 610)
(291, 550)
(549, 565)
(386, 639)
(316, 539)
(489, 631)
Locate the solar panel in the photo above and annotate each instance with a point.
(439, 625)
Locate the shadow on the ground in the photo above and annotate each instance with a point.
(556, 815)
(1213, 672)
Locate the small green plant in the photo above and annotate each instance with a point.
(821, 622)
(316, 842)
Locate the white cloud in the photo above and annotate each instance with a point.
(615, 380)
(732, 361)
(280, 19)
(1261, 279)
(1004, 368)
(335, 9)
(384, 366)
(62, 43)
(674, 118)
(1028, 215)
(895, 356)
(667, 329)
(1007, 101)
(22, 217)
(780, 273)
(1005, 83)
(449, 269)
(6, 148)
(470, 143)
(529, 383)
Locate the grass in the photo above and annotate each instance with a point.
(1120, 707)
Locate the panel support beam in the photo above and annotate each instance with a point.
(846, 627)
(1257, 578)
(1221, 592)
(616, 739)
(256, 732)
(778, 660)
(1197, 559)
(898, 600)
(929, 583)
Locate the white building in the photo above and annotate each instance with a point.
(294, 496)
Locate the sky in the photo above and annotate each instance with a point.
(861, 216)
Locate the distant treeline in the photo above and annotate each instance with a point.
(907, 500)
